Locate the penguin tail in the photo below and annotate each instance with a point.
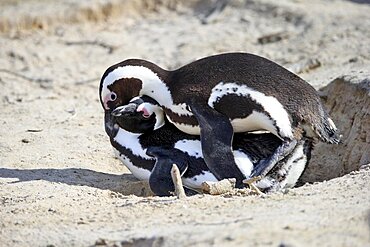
(328, 132)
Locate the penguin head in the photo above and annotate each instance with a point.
(128, 79)
(141, 115)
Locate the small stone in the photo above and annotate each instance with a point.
(34, 130)
(229, 238)
(272, 38)
(353, 60)
(51, 210)
(100, 241)
(24, 140)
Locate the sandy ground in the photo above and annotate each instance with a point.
(59, 182)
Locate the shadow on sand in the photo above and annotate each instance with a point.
(125, 184)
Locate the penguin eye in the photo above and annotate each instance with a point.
(113, 96)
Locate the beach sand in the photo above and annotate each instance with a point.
(60, 184)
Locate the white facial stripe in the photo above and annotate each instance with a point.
(243, 162)
(139, 173)
(270, 104)
(191, 147)
(131, 141)
(153, 86)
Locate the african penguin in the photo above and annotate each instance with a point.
(222, 94)
(137, 139)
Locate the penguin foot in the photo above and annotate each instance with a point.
(264, 167)
(251, 182)
(160, 179)
(216, 134)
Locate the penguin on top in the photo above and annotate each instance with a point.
(148, 145)
(222, 94)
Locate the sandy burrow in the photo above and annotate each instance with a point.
(59, 182)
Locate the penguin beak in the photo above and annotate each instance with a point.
(124, 110)
(109, 125)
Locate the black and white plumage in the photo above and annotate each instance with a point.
(222, 94)
(134, 135)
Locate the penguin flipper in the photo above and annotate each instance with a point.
(216, 134)
(263, 167)
(160, 180)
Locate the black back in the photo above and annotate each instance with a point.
(298, 97)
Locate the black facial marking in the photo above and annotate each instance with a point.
(125, 89)
(135, 122)
(111, 104)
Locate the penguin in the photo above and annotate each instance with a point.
(220, 95)
(148, 144)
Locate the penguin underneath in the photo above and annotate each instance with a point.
(139, 131)
(222, 94)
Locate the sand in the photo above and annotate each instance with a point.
(60, 184)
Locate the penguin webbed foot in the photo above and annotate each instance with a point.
(265, 166)
(160, 180)
(216, 134)
(251, 182)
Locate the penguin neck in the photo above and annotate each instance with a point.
(156, 83)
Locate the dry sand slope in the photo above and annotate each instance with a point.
(59, 182)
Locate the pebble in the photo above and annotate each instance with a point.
(24, 140)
